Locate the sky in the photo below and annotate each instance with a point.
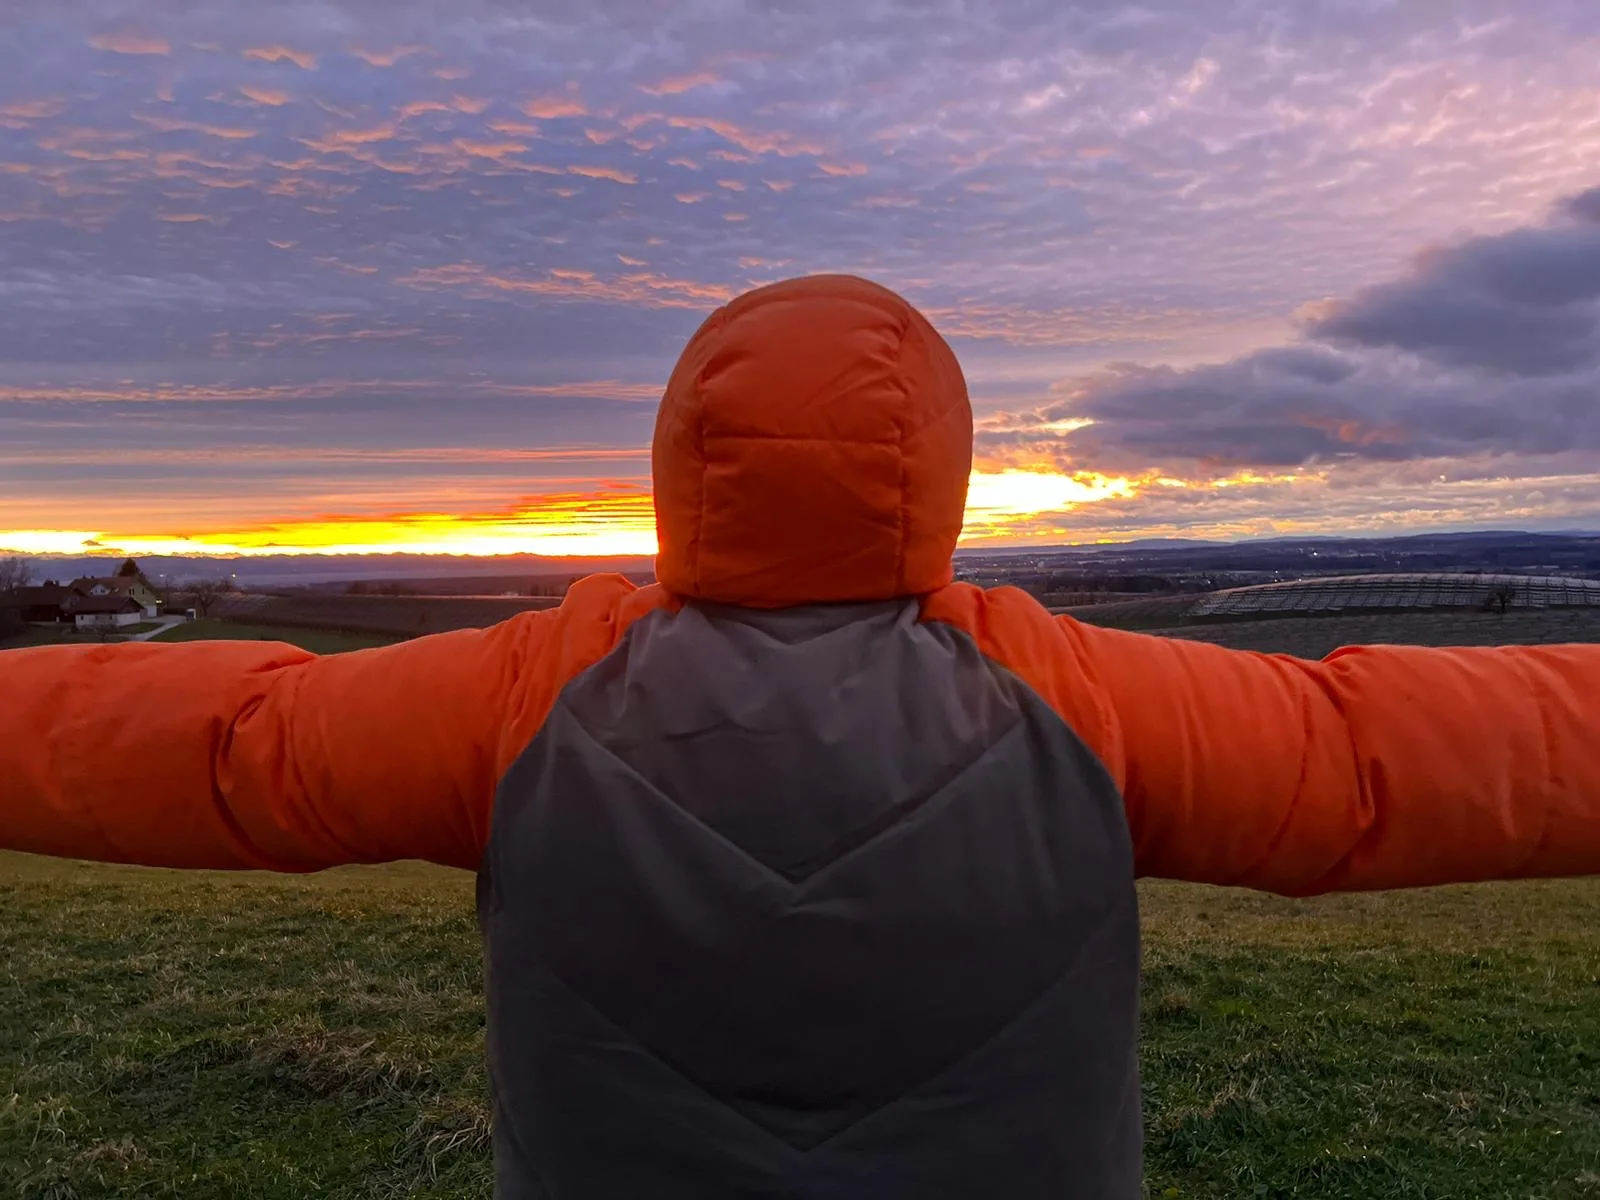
(350, 275)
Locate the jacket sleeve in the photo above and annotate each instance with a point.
(259, 755)
(1379, 767)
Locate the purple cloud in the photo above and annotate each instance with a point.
(1490, 347)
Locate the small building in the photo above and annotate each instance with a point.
(43, 603)
(105, 612)
(133, 587)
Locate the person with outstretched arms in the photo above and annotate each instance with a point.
(806, 872)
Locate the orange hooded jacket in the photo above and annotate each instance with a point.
(813, 446)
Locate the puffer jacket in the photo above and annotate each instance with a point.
(806, 872)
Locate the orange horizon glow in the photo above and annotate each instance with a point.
(606, 525)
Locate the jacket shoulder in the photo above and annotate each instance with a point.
(1015, 631)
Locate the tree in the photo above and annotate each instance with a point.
(129, 570)
(206, 592)
(14, 573)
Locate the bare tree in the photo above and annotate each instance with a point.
(14, 573)
(206, 592)
(1501, 598)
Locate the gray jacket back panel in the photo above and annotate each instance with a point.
(813, 903)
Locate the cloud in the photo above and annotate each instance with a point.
(644, 288)
(129, 43)
(678, 84)
(757, 141)
(1586, 205)
(386, 58)
(551, 107)
(273, 54)
(610, 173)
(1488, 347)
(175, 125)
(1521, 302)
(1115, 212)
(268, 96)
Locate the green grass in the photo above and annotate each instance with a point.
(319, 641)
(56, 635)
(201, 1035)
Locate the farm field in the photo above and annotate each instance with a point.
(1316, 637)
(392, 616)
(205, 1035)
(318, 641)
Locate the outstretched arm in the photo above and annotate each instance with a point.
(1380, 767)
(258, 755)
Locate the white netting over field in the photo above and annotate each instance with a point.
(1400, 592)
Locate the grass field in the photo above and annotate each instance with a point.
(201, 1035)
(319, 641)
(61, 635)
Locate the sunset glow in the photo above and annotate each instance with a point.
(274, 288)
(589, 526)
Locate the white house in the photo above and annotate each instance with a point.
(106, 612)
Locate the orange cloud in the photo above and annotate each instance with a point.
(83, 155)
(385, 58)
(757, 142)
(891, 202)
(272, 54)
(452, 73)
(183, 218)
(266, 96)
(346, 139)
(842, 168)
(679, 84)
(521, 128)
(418, 107)
(599, 136)
(32, 110)
(468, 104)
(733, 185)
(172, 125)
(735, 216)
(494, 150)
(548, 108)
(604, 173)
(779, 185)
(644, 288)
(690, 197)
(130, 43)
(688, 164)
(631, 262)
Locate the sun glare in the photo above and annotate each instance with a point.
(1026, 493)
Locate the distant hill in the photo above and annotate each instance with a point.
(1576, 552)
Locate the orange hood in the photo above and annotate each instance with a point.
(813, 445)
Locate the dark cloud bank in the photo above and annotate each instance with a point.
(1488, 347)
